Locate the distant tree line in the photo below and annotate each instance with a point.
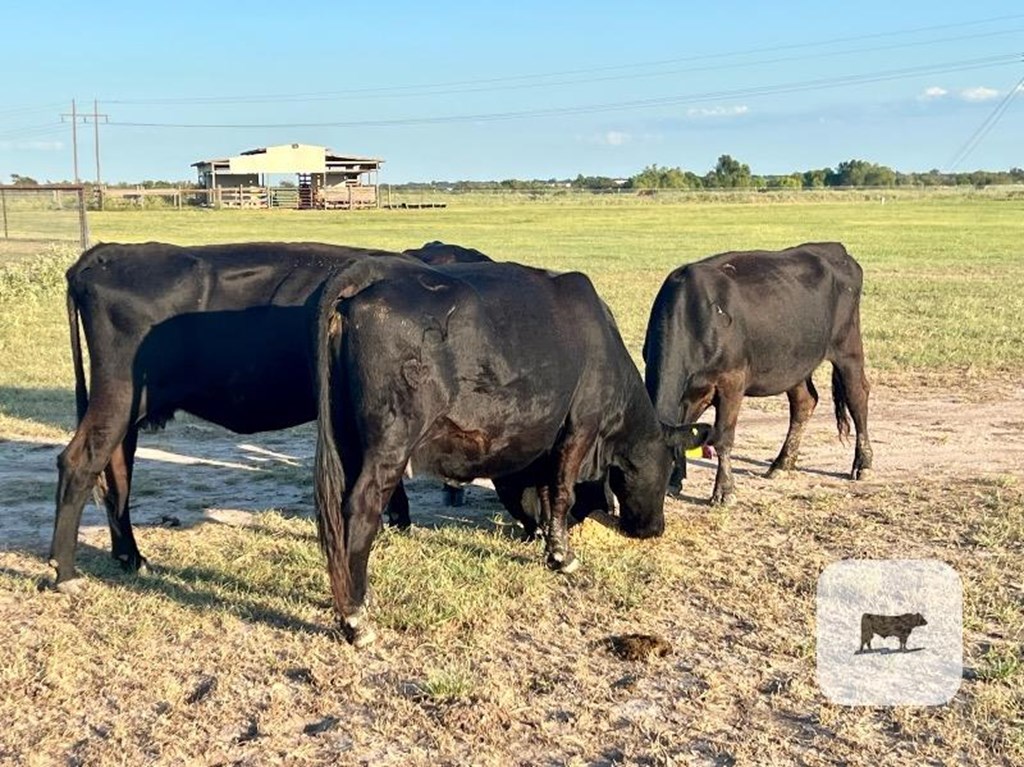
(728, 173)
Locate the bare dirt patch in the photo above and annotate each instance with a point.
(193, 471)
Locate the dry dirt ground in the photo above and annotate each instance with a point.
(743, 693)
(194, 471)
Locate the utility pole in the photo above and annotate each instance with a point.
(96, 133)
(74, 135)
(86, 118)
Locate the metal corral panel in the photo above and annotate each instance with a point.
(286, 158)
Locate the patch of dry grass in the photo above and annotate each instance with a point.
(225, 655)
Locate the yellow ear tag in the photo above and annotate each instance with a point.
(695, 452)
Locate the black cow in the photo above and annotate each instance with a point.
(219, 331)
(758, 323)
(475, 370)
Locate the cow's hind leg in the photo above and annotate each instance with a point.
(850, 389)
(802, 400)
(78, 467)
(362, 511)
(118, 475)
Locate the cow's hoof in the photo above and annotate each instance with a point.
(358, 630)
(777, 472)
(134, 564)
(73, 587)
(674, 491)
(723, 499)
(565, 563)
(861, 473)
(361, 636)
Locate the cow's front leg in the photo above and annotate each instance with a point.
(678, 476)
(559, 555)
(727, 410)
(802, 400)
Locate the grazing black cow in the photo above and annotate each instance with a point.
(475, 370)
(219, 331)
(758, 323)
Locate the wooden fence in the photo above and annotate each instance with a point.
(341, 198)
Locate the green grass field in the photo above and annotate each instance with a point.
(224, 657)
(944, 277)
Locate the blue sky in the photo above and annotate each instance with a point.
(448, 90)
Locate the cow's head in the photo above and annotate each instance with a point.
(640, 487)
(919, 620)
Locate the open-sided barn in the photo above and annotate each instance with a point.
(324, 179)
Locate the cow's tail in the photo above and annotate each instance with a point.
(81, 392)
(329, 485)
(842, 402)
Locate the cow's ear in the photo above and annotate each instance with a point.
(687, 436)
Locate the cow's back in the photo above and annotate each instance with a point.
(772, 314)
(220, 331)
(501, 355)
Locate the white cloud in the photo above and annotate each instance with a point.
(981, 93)
(608, 138)
(934, 92)
(615, 138)
(702, 112)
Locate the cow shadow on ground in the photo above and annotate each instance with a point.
(49, 407)
(763, 466)
(889, 651)
(193, 587)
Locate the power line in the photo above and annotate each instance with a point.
(526, 81)
(986, 126)
(749, 92)
(29, 131)
(26, 110)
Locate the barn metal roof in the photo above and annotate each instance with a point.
(293, 158)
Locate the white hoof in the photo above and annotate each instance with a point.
(570, 567)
